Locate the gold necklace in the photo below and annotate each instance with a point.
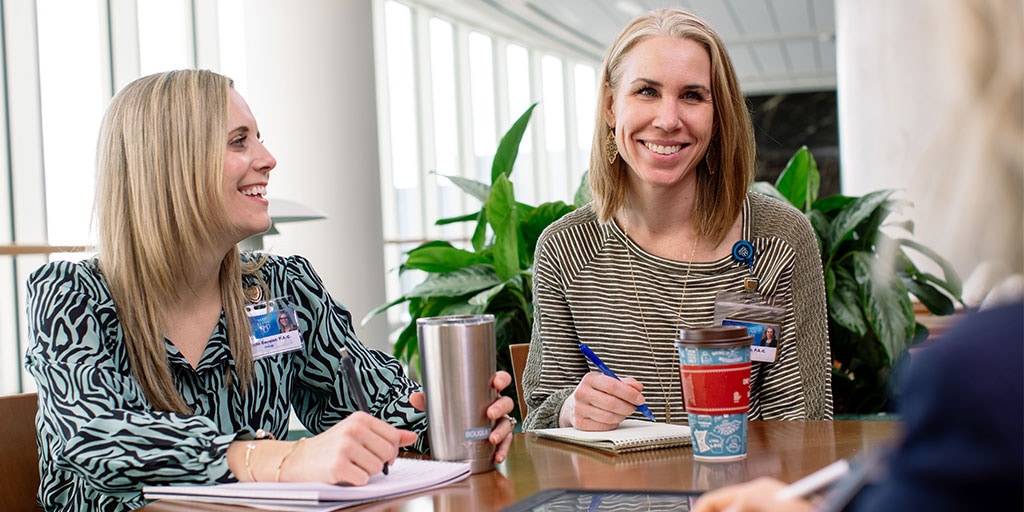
(643, 320)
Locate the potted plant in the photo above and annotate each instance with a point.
(871, 321)
(495, 275)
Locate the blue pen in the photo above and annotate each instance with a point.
(607, 371)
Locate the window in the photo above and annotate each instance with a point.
(65, 60)
(448, 92)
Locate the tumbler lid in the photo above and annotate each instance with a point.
(715, 336)
(456, 320)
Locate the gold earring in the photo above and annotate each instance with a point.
(707, 161)
(611, 150)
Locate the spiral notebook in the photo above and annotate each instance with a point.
(405, 477)
(630, 436)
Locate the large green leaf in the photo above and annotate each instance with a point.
(848, 220)
(533, 224)
(887, 307)
(503, 217)
(472, 187)
(440, 256)
(907, 268)
(461, 218)
(951, 281)
(769, 190)
(820, 224)
(583, 195)
(480, 233)
(380, 309)
(833, 203)
(508, 149)
(844, 303)
(456, 283)
(483, 299)
(800, 180)
(936, 301)
(406, 347)
(461, 308)
(513, 297)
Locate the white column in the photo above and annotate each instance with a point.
(310, 84)
(899, 84)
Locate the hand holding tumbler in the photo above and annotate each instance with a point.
(457, 362)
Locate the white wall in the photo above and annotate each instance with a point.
(310, 84)
(909, 119)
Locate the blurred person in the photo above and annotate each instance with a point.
(962, 400)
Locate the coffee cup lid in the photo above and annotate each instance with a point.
(717, 336)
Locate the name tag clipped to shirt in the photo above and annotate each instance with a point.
(275, 329)
(762, 319)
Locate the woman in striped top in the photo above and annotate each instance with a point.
(671, 164)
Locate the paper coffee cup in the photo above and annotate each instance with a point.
(714, 368)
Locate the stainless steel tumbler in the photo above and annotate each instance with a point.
(457, 361)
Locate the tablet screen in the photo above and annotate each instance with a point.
(585, 500)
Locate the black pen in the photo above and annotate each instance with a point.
(354, 387)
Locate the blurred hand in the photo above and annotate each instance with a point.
(501, 434)
(351, 451)
(754, 496)
(600, 402)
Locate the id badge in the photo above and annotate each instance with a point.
(762, 319)
(275, 328)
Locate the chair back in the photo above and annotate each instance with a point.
(518, 353)
(19, 457)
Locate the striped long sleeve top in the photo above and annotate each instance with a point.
(593, 285)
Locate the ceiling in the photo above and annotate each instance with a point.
(776, 45)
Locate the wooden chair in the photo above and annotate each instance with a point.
(518, 351)
(19, 457)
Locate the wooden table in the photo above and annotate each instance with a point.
(784, 449)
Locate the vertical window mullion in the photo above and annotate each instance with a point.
(572, 163)
(540, 156)
(423, 117)
(206, 35)
(465, 114)
(389, 207)
(503, 117)
(123, 16)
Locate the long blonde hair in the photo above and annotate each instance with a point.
(728, 170)
(160, 161)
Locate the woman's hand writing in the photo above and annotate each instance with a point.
(351, 452)
(600, 402)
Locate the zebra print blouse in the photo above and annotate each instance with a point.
(100, 441)
(592, 284)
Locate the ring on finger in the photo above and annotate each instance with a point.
(512, 421)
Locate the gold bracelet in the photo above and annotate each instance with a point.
(249, 447)
(277, 477)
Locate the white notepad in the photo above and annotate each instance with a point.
(405, 476)
(631, 435)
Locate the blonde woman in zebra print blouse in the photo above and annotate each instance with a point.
(142, 355)
(671, 163)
